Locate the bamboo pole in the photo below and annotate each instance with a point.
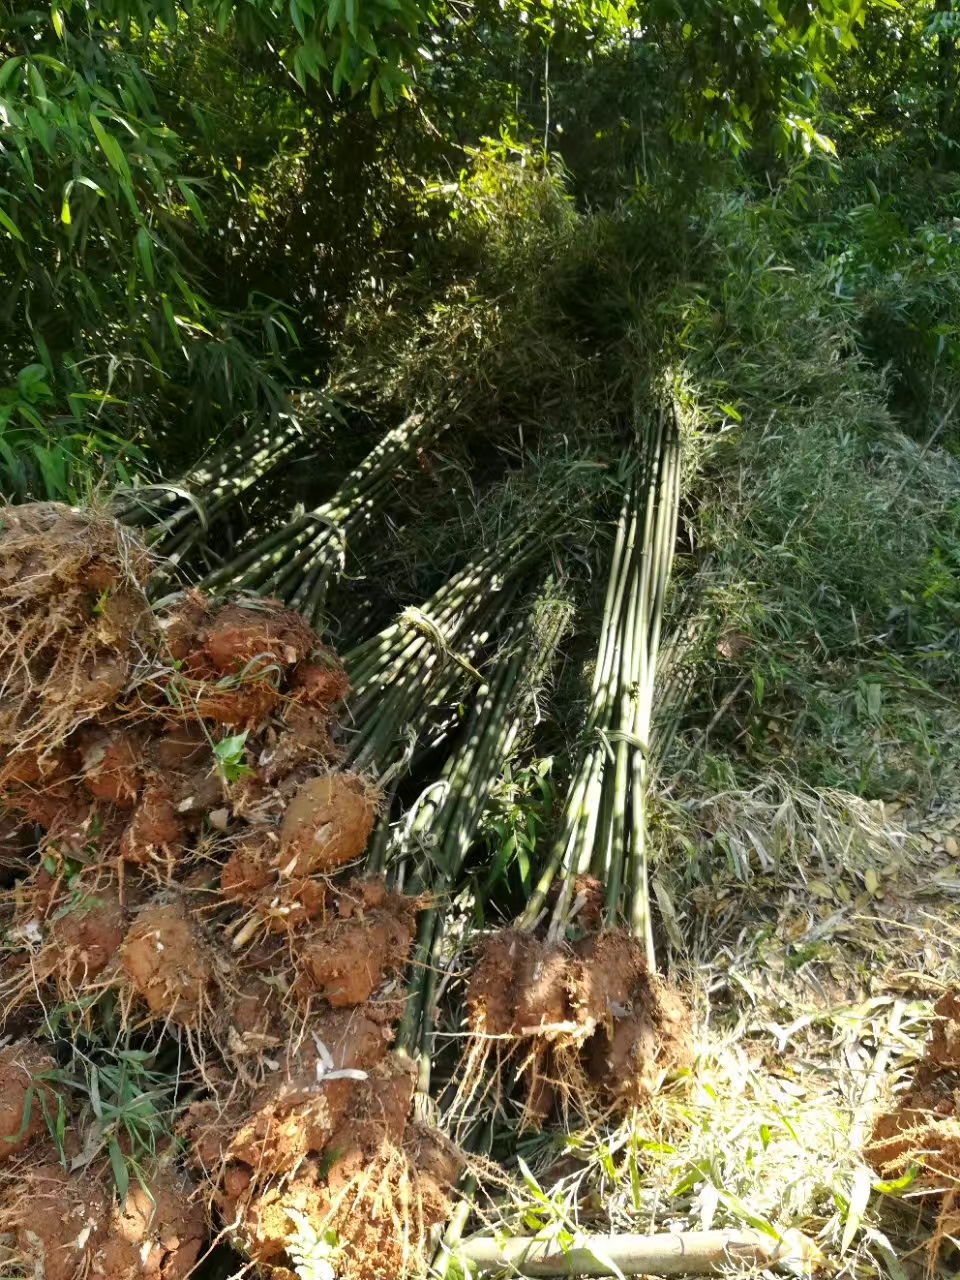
(667, 1254)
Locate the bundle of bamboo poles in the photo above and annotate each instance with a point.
(300, 561)
(182, 511)
(429, 848)
(603, 831)
(399, 674)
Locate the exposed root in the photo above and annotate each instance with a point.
(73, 620)
(163, 874)
(586, 1027)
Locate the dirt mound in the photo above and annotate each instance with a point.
(172, 850)
(585, 1019)
(84, 936)
(65, 1225)
(74, 621)
(373, 1192)
(921, 1138)
(519, 986)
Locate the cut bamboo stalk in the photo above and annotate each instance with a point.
(685, 1253)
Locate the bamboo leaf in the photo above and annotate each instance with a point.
(10, 226)
(859, 1196)
(121, 1174)
(111, 149)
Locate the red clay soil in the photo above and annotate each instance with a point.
(345, 961)
(249, 869)
(167, 963)
(68, 1225)
(519, 984)
(294, 1113)
(155, 825)
(84, 935)
(368, 1187)
(211, 900)
(643, 1029)
(21, 1115)
(326, 824)
(112, 767)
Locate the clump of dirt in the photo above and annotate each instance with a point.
(112, 766)
(591, 1023)
(300, 1105)
(638, 1028)
(923, 1134)
(167, 963)
(943, 1051)
(175, 829)
(84, 936)
(327, 823)
(519, 986)
(346, 960)
(235, 660)
(74, 620)
(21, 1115)
(67, 1225)
(155, 825)
(375, 1190)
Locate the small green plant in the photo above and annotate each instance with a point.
(115, 1095)
(520, 810)
(228, 754)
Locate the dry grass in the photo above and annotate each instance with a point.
(809, 1006)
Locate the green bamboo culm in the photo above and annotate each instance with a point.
(404, 676)
(299, 562)
(603, 827)
(178, 514)
(428, 850)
